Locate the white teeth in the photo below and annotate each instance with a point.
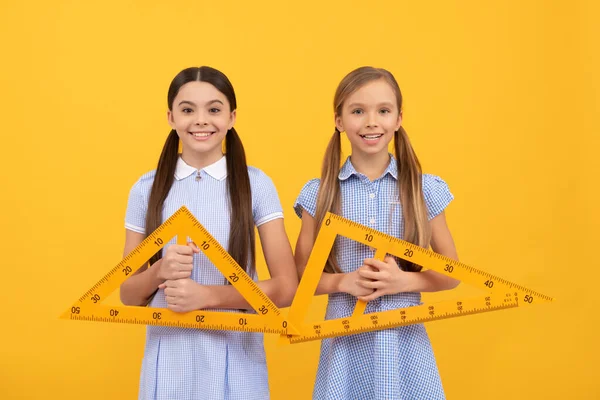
(201, 134)
(371, 137)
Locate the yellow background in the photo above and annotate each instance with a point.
(501, 100)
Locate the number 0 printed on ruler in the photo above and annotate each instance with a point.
(267, 317)
(502, 293)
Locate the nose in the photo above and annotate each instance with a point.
(372, 121)
(201, 119)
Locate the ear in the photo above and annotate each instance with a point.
(399, 122)
(232, 121)
(338, 123)
(170, 119)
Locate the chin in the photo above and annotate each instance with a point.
(375, 151)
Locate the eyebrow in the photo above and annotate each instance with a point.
(193, 104)
(378, 105)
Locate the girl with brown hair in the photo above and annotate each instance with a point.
(229, 199)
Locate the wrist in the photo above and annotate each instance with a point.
(207, 297)
(155, 270)
(338, 283)
(409, 282)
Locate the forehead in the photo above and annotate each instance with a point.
(199, 92)
(373, 92)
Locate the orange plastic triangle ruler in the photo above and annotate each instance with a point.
(267, 319)
(502, 293)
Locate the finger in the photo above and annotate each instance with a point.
(186, 266)
(171, 299)
(194, 247)
(185, 250)
(177, 266)
(179, 249)
(183, 274)
(368, 268)
(177, 276)
(377, 264)
(169, 283)
(389, 260)
(184, 258)
(371, 297)
(178, 308)
(162, 286)
(365, 292)
(177, 270)
(370, 284)
(368, 274)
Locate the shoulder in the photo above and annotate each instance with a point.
(307, 199)
(143, 184)
(311, 187)
(437, 194)
(265, 199)
(257, 175)
(259, 180)
(431, 182)
(262, 186)
(137, 204)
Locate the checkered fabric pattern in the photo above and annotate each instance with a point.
(192, 364)
(396, 363)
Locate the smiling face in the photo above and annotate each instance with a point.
(370, 116)
(201, 115)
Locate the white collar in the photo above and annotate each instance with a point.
(217, 170)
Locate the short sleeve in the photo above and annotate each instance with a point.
(137, 205)
(437, 195)
(265, 200)
(307, 199)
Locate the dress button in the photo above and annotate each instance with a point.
(372, 195)
(372, 221)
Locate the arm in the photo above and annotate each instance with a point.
(329, 283)
(441, 243)
(387, 278)
(280, 261)
(139, 288)
(186, 295)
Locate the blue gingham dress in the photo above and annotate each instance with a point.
(192, 364)
(390, 364)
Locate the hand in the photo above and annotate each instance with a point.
(183, 295)
(177, 262)
(384, 277)
(350, 283)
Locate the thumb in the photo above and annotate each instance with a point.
(194, 247)
(162, 286)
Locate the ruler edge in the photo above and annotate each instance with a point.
(182, 219)
(215, 314)
(383, 237)
(249, 282)
(295, 339)
(427, 252)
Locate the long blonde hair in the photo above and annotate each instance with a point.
(414, 209)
